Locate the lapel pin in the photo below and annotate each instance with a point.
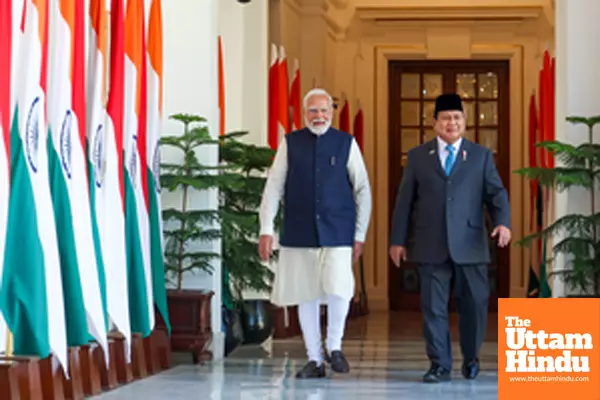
(464, 155)
(431, 152)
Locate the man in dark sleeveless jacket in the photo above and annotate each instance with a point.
(320, 176)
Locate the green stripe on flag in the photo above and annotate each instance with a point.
(23, 291)
(156, 254)
(76, 319)
(138, 297)
(98, 244)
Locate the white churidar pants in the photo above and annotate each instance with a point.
(310, 321)
(308, 277)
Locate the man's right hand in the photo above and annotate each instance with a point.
(265, 247)
(398, 254)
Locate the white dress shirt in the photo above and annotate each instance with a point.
(443, 152)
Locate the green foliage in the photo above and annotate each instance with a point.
(581, 244)
(240, 199)
(185, 229)
(240, 178)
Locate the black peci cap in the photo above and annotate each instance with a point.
(447, 102)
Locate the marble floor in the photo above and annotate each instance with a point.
(386, 356)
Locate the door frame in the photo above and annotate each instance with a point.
(378, 233)
(448, 69)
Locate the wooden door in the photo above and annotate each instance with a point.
(413, 87)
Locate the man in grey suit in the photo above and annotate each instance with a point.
(447, 182)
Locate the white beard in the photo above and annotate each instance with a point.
(317, 129)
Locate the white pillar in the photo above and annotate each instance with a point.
(244, 32)
(577, 89)
(191, 86)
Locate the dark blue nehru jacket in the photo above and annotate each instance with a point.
(318, 204)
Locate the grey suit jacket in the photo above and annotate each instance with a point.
(449, 211)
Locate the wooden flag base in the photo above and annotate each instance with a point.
(138, 357)
(157, 351)
(108, 374)
(29, 378)
(118, 362)
(161, 347)
(90, 370)
(9, 380)
(52, 376)
(26, 370)
(73, 386)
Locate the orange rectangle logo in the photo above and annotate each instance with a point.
(549, 349)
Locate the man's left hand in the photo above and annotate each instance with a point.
(357, 251)
(503, 235)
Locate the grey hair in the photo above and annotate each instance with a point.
(318, 92)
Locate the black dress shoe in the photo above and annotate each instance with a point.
(311, 370)
(470, 369)
(436, 374)
(338, 362)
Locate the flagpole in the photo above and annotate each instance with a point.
(9, 343)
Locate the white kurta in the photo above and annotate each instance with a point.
(308, 274)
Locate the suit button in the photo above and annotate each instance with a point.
(318, 216)
(449, 198)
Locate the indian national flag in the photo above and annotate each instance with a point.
(80, 101)
(31, 296)
(68, 180)
(105, 194)
(141, 304)
(6, 110)
(108, 155)
(155, 109)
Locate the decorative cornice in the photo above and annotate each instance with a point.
(449, 13)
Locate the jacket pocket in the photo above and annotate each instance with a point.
(475, 223)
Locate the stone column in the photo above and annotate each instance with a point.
(577, 90)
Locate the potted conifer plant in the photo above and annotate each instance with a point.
(239, 208)
(187, 231)
(579, 232)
